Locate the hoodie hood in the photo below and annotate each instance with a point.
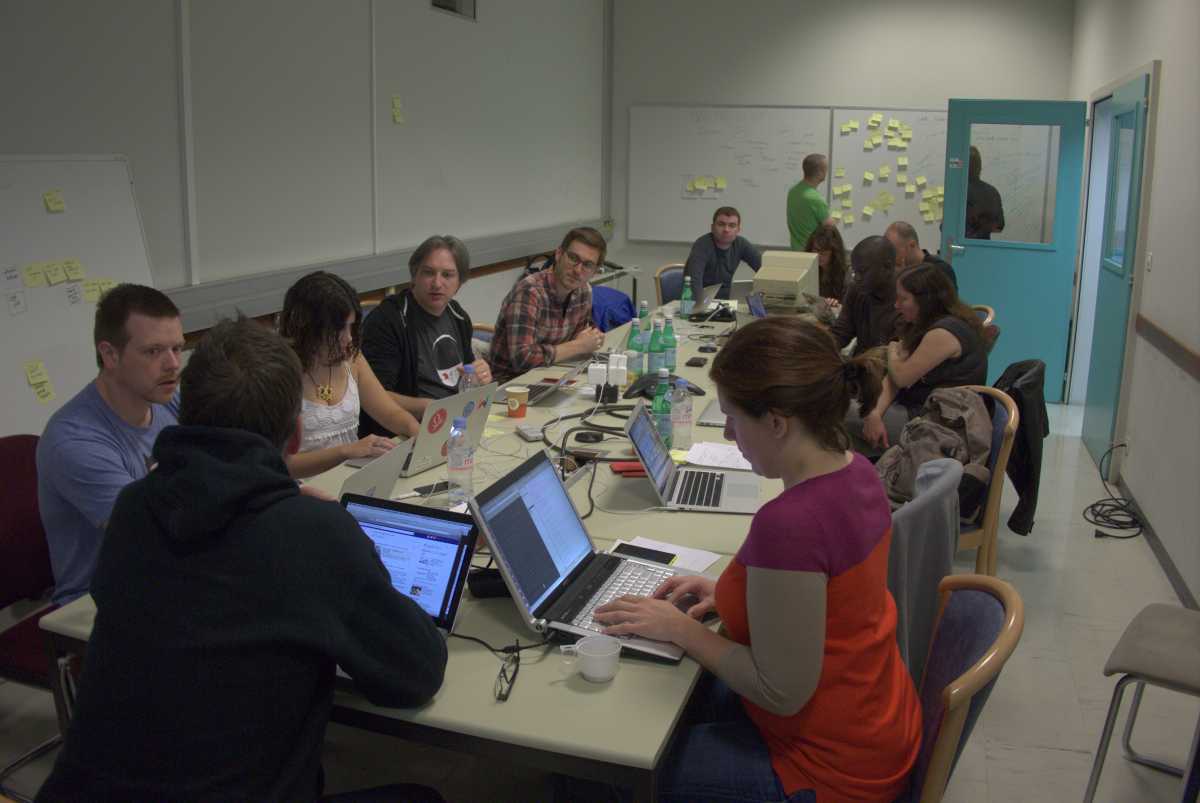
(208, 477)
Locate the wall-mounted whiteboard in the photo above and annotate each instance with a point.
(747, 157)
(57, 253)
(920, 160)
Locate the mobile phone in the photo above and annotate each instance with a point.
(441, 486)
(696, 362)
(644, 553)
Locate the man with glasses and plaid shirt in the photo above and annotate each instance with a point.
(546, 317)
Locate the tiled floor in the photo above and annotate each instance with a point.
(1034, 741)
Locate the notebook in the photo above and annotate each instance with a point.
(548, 561)
(427, 551)
(701, 490)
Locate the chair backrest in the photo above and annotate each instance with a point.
(986, 314)
(668, 283)
(1005, 420)
(979, 624)
(610, 308)
(25, 571)
(924, 534)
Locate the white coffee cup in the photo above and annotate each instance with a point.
(594, 657)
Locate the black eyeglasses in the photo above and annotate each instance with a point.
(508, 674)
(576, 261)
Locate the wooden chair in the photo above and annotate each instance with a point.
(979, 624)
(982, 536)
(668, 282)
(986, 314)
(25, 582)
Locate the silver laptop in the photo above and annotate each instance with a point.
(541, 391)
(703, 490)
(428, 449)
(378, 477)
(712, 415)
(548, 561)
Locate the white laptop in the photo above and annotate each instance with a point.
(378, 477)
(548, 561)
(428, 448)
(703, 490)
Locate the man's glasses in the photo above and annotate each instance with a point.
(508, 674)
(576, 261)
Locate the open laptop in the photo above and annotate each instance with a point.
(541, 391)
(703, 490)
(428, 448)
(756, 308)
(378, 477)
(548, 561)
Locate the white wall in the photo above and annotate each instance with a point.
(1113, 38)
(917, 53)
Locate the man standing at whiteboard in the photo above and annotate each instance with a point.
(806, 208)
(101, 440)
(715, 256)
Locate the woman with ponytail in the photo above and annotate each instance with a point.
(807, 697)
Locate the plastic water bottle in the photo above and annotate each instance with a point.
(655, 356)
(635, 356)
(670, 344)
(460, 463)
(681, 416)
(644, 319)
(660, 409)
(467, 378)
(687, 301)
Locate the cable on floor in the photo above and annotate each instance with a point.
(1114, 512)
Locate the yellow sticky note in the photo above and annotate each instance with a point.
(910, 189)
(853, 125)
(54, 201)
(941, 189)
(691, 186)
(106, 285)
(397, 116)
(837, 190)
(920, 181)
(901, 161)
(74, 270)
(901, 179)
(35, 372)
(396, 104)
(927, 217)
(839, 172)
(877, 117)
(55, 273)
(906, 134)
(848, 219)
(893, 123)
(868, 176)
(845, 130)
(701, 183)
(44, 392)
(868, 211)
(91, 290)
(877, 140)
(847, 203)
(884, 172)
(836, 215)
(931, 193)
(720, 183)
(33, 274)
(872, 122)
(868, 145)
(923, 206)
(679, 455)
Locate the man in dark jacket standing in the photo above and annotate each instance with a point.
(225, 600)
(419, 340)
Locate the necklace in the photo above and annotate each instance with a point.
(324, 392)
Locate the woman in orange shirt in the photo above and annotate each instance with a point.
(810, 699)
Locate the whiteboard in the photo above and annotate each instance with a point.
(926, 155)
(51, 321)
(757, 150)
(1020, 161)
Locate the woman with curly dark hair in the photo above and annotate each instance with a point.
(321, 318)
(826, 243)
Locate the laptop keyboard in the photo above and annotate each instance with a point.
(700, 488)
(636, 579)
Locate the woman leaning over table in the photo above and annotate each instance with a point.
(808, 698)
(321, 318)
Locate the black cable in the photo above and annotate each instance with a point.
(1115, 512)
(500, 652)
(584, 417)
(591, 502)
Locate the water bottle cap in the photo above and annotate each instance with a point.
(663, 373)
(680, 382)
(460, 422)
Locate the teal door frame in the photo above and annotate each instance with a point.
(1030, 284)
(1130, 103)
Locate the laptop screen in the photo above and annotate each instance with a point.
(754, 302)
(650, 448)
(534, 529)
(427, 553)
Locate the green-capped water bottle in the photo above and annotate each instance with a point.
(660, 408)
(635, 355)
(686, 300)
(655, 356)
(670, 344)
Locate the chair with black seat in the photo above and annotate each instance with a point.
(668, 283)
(979, 624)
(980, 533)
(26, 581)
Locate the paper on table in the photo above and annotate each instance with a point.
(695, 560)
(717, 455)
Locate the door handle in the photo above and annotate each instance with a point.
(957, 249)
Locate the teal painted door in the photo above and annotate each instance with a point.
(1114, 287)
(1011, 222)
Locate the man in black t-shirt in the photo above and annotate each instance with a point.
(418, 341)
(909, 252)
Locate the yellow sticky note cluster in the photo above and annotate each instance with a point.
(38, 379)
(397, 110)
(53, 201)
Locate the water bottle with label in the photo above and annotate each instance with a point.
(670, 344)
(686, 300)
(460, 463)
(681, 416)
(467, 378)
(660, 409)
(655, 356)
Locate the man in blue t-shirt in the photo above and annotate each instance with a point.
(101, 440)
